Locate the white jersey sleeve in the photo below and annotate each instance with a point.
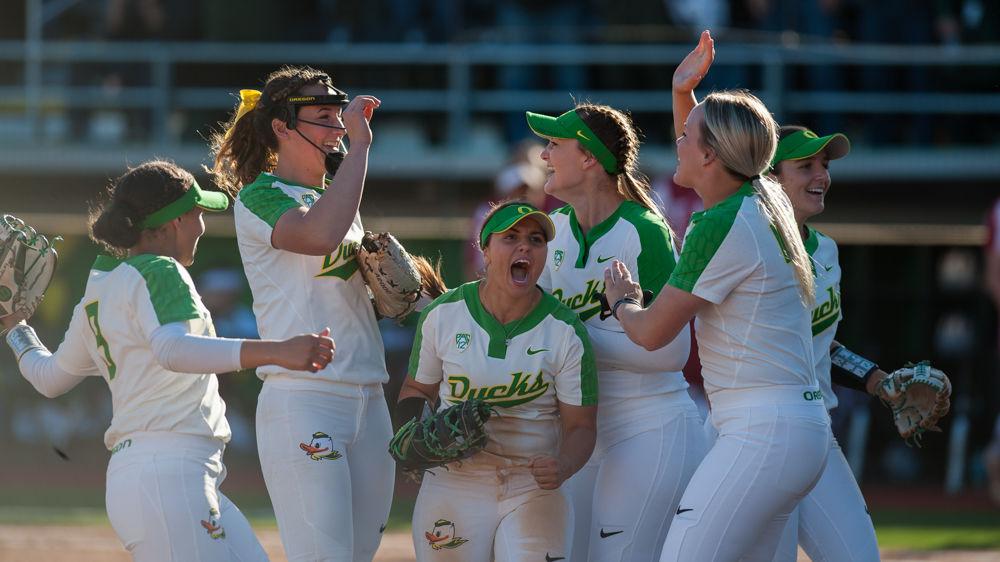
(425, 363)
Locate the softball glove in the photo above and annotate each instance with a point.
(449, 435)
(27, 263)
(918, 396)
(390, 273)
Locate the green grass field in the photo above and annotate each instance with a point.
(897, 529)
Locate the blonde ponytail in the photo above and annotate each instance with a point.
(741, 131)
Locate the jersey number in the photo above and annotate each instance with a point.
(102, 344)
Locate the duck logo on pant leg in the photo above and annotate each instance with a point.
(443, 536)
(320, 447)
(212, 526)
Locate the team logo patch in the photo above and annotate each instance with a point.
(308, 199)
(212, 526)
(462, 341)
(557, 258)
(443, 536)
(320, 447)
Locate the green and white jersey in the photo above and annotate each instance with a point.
(574, 274)
(124, 303)
(756, 331)
(826, 314)
(462, 348)
(295, 293)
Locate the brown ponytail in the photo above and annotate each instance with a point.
(244, 148)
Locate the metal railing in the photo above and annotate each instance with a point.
(459, 101)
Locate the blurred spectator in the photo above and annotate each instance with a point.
(222, 291)
(880, 22)
(808, 21)
(992, 251)
(522, 178)
(560, 22)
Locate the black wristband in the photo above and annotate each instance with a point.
(850, 369)
(621, 301)
(408, 409)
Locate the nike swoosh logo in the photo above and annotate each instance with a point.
(534, 351)
(680, 511)
(553, 558)
(582, 136)
(612, 533)
(601, 259)
(828, 267)
(381, 528)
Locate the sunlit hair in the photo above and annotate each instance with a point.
(743, 134)
(616, 130)
(242, 149)
(115, 221)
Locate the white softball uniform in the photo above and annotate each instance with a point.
(322, 437)
(168, 429)
(649, 430)
(489, 505)
(757, 362)
(832, 523)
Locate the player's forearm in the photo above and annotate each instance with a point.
(330, 218)
(576, 447)
(848, 369)
(37, 365)
(683, 103)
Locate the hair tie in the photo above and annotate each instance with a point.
(248, 101)
(752, 178)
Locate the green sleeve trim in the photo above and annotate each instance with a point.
(173, 298)
(708, 230)
(453, 295)
(105, 263)
(656, 257)
(588, 366)
(267, 202)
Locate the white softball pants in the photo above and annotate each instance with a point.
(624, 498)
(771, 451)
(331, 504)
(489, 510)
(164, 502)
(832, 523)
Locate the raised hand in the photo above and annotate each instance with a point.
(357, 116)
(690, 72)
(618, 284)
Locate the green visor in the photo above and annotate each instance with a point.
(570, 126)
(803, 144)
(509, 215)
(193, 197)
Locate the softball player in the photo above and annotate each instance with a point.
(745, 275)
(832, 522)
(142, 326)
(322, 437)
(649, 430)
(505, 340)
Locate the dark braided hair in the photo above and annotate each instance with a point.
(139, 192)
(243, 149)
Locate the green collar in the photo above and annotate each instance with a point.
(500, 333)
(600, 229)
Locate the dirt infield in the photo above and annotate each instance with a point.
(99, 544)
